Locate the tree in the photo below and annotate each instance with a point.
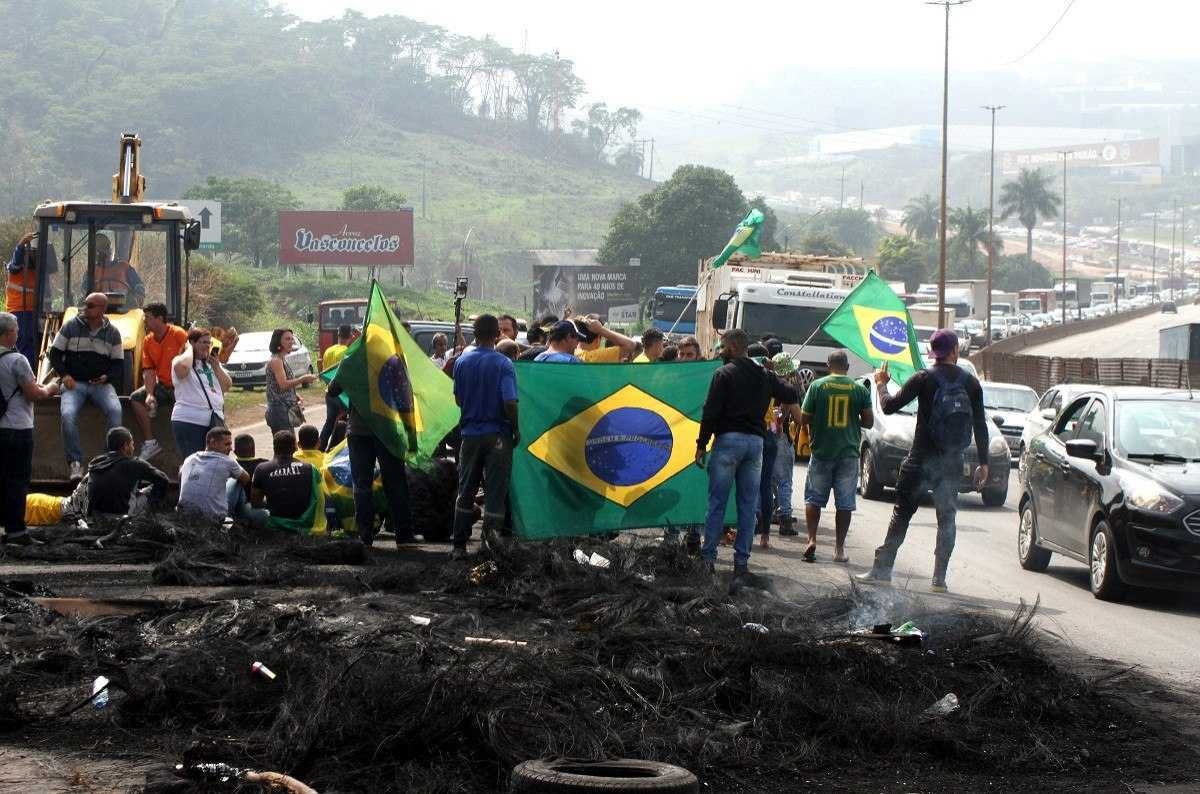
(821, 243)
(921, 217)
(853, 228)
(629, 159)
(1028, 197)
(250, 210)
(604, 128)
(367, 198)
(970, 234)
(901, 258)
(766, 235)
(685, 219)
(1016, 272)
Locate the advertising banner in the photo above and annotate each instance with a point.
(587, 290)
(1113, 154)
(346, 238)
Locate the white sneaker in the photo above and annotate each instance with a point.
(76, 471)
(150, 449)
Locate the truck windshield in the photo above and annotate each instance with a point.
(127, 260)
(669, 307)
(792, 325)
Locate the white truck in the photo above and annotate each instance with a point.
(976, 292)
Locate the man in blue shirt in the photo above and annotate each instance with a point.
(485, 388)
(562, 340)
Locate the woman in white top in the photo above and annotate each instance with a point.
(200, 386)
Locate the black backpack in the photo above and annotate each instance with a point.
(951, 420)
(4, 398)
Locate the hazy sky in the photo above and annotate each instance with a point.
(672, 53)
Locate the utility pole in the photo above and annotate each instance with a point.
(642, 164)
(1154, 258)
(651, 177)
(862, 185)
(1065, 153)
(1117, 300)
(1183, 244)
(991, 218)
(842, 195)
(945, 135)
(1171, 255)
(423, 215)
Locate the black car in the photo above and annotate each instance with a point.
(886, 444)
(1115, 484)
(1168, 307)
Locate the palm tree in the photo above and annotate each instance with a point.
(970, 234)
(921, 216)
(1029, 198)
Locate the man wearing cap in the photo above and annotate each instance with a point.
(561, 343)
(949, 410)
(785, 459)
(835, 410)
(591, 333)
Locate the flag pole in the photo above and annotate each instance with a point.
(691, 300)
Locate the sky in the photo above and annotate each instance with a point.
(675, 54)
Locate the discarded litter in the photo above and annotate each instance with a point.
(907, 635)
(908, 629)
(580, 557)
(947, 705)
(495, 642)
(100, 692)
(417, 620)
(481, 572)
(595, 560)
(263, 670)
(760, 628)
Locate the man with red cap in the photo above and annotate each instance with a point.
(949, 412)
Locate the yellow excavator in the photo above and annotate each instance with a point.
(136, 252)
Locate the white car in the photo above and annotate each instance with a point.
(1008, 405)
(1042, 415)
(247, 365)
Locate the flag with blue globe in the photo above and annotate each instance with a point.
(873, 323)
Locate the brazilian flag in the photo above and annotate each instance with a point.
(404, 398)
(744, 240)
(873, 323)
(607, 447)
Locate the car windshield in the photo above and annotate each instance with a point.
(253, 343)
(1009, 398)
(1158, 428)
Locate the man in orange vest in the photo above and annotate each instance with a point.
(19, 297)
(111, 275)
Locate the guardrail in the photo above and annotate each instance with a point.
(1042, 372)
(1052, 333)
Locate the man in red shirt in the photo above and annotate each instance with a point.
(164, 342)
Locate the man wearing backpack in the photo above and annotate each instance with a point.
(949, 413)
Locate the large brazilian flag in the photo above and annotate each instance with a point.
(608, 446)
(403, 396)
(873, 323)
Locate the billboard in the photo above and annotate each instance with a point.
(1112, 154)
(346, 238)
(587, 290)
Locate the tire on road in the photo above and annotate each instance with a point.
(868, 477)
(1103, 577)
(601, 777)
(995, 497)
(1029, 554)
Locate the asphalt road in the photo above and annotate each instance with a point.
(1129, 339)
(1157, 631)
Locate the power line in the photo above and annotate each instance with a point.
(1029, 52)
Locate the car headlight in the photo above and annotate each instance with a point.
(998, 447)
(1148, 495)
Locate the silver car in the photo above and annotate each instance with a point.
(1008, 405)
(1042, 415)
(247, 366)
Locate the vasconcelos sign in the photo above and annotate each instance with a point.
(346, 238)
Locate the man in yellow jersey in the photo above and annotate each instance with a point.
(333, 406)
(653, 343)
(591, 335)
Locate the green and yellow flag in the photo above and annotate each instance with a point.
(744, 240)
(607, 447)
(402, 395)
(873, 323)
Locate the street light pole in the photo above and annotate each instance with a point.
(1065, 153)
(991, 218)
(1171, 254)
(945, 135)
(1117, 300)
(842, 194)
(1154, 259)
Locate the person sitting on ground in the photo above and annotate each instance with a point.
(307, 441)
(508, 348)
(116, 479)
(653, 343)
(246, 456)
(563, 339)
(592, 334)
(211, 482)
(290, 488)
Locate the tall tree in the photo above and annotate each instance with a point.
(901, 258)
(970, 235)
(371, 198)
(921, 217)
(604, 128)
(1029, 198)
(250, 210)
(853, 228)
(822, 243)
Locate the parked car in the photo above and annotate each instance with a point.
(247, 366)
(423, 331)
(1007, 405)
(1115, 484)
(886, 444)
(1042, 415)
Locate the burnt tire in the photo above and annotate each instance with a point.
(601, 777)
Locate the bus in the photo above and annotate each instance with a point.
(669, 303)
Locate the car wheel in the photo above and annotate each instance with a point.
(1031, 556)
(868, 479)
(1102, 562)
(995, 497)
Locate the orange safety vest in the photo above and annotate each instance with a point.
(18, 294)
(112, 277)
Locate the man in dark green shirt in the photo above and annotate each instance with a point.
(835, 410)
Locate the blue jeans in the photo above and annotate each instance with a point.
(103, 395)
(736, 459)
(839, 476)
(333, 409)
(27, 336)
(766, 493)
(189, 437)
(785, 468)
(240, 507)
(364, 452)
(940, 473)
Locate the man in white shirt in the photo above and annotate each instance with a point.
(211, 482)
